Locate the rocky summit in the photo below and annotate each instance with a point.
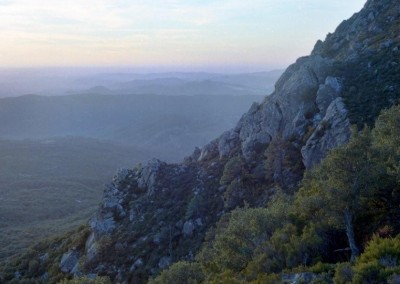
(157, 214)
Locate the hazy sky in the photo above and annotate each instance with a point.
(257, 34)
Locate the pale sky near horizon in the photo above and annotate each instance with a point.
(253, 34)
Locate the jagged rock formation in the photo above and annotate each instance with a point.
(159, 213)
(156, 207)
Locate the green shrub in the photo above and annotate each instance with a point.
(86, 280)
(321, 267)
(343, 273)
(180, 273)
(267, 278)
(232, 170)
(380, 260)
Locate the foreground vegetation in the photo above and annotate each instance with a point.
(342, 225)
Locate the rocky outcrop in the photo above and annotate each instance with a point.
(285, 112)
(307, 89)
(111, 210)
(147, 176)
(209, 151)
(70, 262)
(332, 131)
(305, 277)
(158, 206)
(300, 100)
(369, 31)
(327, 93)
(227, 142)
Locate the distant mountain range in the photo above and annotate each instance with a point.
(69, 81)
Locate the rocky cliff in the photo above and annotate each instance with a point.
(159, 213)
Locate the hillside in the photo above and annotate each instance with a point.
(49, 187)
(241, 209)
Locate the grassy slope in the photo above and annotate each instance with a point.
(50, 187)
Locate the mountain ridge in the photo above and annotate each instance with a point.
(157, 214)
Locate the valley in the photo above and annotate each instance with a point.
(58, 152)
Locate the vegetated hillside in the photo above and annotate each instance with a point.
(48, 187)
(168, 126)
(159, 214)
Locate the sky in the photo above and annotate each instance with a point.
(169, 34)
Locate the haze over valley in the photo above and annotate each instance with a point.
(59, 149)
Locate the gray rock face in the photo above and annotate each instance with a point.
(251, 131)
(209, 151)
(334, 130)
(102, 226)
(327, 93)
(104, 221)
(188, 228)
(287, 112)
(296, 97)
(69, 262)
(301, 100)
(227, 142)
(91, 247)
(350, 40)
(138, 263)
(121, 176)
(164, 262)
(111, 210)
(147, 176)
(298, 278)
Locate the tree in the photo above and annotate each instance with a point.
(387, 139)
(283, 164)
(259, 240)
(339, 186)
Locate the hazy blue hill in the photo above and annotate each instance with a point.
(201, 84)
(170, 126)
(62, 81)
